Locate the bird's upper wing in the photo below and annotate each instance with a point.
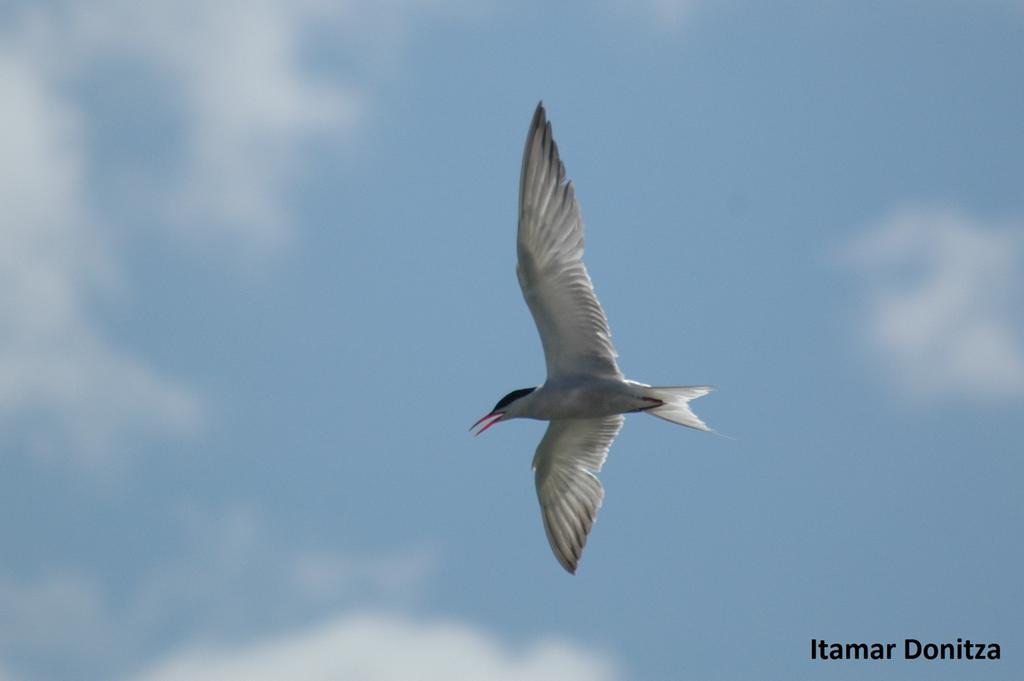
(573, 327)
(565, 468)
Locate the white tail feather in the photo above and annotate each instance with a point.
(676, 407)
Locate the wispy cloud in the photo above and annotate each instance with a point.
(237, 556)
(384, 647)
(236, 73)
(175, 622)
(243, 81)
(673, 12)
(5, 675)
(663, 15)
(246, 103)
(60, 612)
(67, 620)
(942, 311)
(325, 574)
(63, 384)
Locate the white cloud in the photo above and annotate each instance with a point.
(231, 555)
(228, 577)
(248, 99)
(248, 103)
(673, 12)
(943, 312)
(235, 70)
(665, 15)
(232, 582)
(55, 363)
(60, 612)
(384, 647)
(5, 675)
(325, 574)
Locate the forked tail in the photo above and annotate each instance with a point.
(676, 407)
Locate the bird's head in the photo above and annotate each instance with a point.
(506, 407)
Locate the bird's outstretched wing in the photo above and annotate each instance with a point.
(565, 468)
(573, 327)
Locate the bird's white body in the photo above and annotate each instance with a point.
(585, 394)
(581, 397)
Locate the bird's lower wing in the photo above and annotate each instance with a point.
(565, 467)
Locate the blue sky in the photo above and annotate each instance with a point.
(257, 274)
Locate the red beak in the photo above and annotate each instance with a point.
(496, 415)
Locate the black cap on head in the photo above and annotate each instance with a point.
(512, 397)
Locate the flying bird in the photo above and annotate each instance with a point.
(585, 394)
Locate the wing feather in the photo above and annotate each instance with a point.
(572, 325)
(565, 467)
